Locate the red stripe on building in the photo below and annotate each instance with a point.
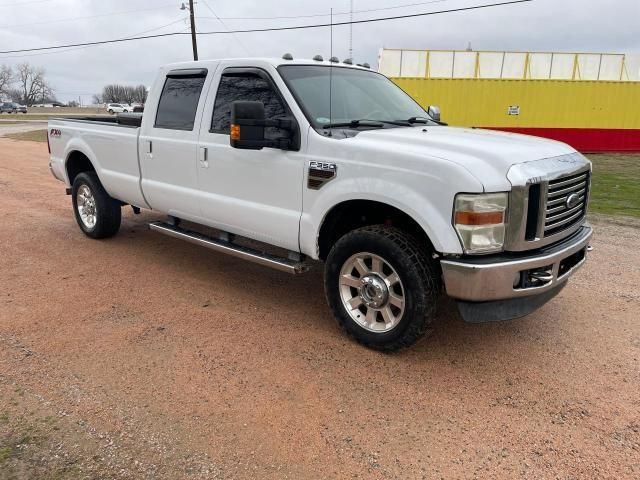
(587, 140)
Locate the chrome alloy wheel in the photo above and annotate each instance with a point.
(86, 206)
(371, 292)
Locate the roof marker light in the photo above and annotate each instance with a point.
(318, 58)
(287, 56)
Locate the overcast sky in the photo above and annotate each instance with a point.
(548, 25)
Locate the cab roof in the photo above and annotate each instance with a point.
(261, 61)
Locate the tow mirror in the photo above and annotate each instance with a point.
(434, 112)
(247, 127)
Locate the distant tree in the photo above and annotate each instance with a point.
(6, 79)
(98, 99)
(116, 93)
(15, 95)
(140, 94)
(73, 103)
(33, 85)
(113, 94)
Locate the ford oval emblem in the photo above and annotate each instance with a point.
(572, 200)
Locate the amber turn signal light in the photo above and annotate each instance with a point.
(235, 132)
(479, 218)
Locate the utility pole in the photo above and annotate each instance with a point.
(194, 43)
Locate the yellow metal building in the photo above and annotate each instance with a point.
(591, 101)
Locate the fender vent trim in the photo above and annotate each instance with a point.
(320, 174)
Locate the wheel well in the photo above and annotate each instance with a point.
(78, 163)
(352, 214)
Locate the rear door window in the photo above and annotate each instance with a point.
(179, 102)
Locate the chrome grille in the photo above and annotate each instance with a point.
(566, 203)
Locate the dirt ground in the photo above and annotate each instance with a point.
(144, 357)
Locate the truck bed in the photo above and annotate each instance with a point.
(110, 143)
(121, 119)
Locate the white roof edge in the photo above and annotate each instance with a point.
(276, 62)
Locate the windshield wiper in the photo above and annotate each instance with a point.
(424, 120)
(419, 120)
(365, 122)
(355, 124)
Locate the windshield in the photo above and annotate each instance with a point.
(356, 95)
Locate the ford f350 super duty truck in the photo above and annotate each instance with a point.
(315, 160)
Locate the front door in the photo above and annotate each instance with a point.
(253, 193)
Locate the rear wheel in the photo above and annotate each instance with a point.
(382, 287)
(97, 214)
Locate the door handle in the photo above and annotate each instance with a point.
(203, 154)
(149, 147)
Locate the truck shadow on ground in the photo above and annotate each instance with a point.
(298, 302)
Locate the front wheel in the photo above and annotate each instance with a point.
(97, 214)
(382, 287)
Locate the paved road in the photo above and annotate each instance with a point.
(158, 359)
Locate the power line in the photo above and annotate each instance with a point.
(88, 46)
(100, 15)
(19, 4)
(225, 26)
(278, 29)
(316, 15)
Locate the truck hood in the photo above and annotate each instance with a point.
(486, 154)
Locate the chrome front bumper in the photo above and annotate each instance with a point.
(513, 276)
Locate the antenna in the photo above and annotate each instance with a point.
(331, 77)
(351, 31)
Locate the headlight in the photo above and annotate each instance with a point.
(479, 220)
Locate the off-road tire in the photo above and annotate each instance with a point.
(419, 274)
(108, 210)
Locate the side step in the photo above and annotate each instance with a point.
(294, 267)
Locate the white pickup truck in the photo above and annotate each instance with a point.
(284, 161)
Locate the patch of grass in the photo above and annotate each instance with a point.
(615, 187)
(32, 136)
(5, 454)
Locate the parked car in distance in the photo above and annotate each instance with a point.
(22, 109)
(118, 108)
(400, 207)
(9, 107)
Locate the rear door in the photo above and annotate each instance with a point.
(254, 193)
(169, 144)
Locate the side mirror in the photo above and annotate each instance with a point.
(434, 112)
(248, 123)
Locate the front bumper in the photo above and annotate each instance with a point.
(517, 275)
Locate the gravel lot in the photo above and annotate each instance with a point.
(144, 357)
(7, 128)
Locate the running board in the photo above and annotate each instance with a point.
(294, 267)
